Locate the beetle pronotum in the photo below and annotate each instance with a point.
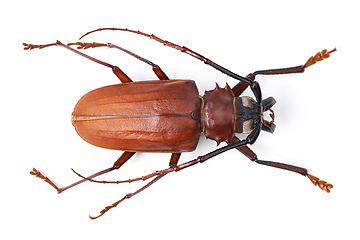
(169, 115)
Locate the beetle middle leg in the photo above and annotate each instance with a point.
(84, 45)
(123, 158)
(156, 68)
(116, 70)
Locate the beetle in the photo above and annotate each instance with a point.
(169, 115)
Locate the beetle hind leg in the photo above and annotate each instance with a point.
(127, 196)
(124, 157)
(38, 174)
(173, 163)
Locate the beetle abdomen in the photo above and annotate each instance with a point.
(151, 116)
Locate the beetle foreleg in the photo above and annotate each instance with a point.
(245, 150)
(318, 57)
(298, 69)
(322, 184)
(240, 87)
(252, 156)
(316, 181)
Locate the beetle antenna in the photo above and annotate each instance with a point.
(113, 29)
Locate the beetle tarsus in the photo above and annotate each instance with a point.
(38, 174)
(33, 46)
(86, 45)
(318, 57)
(322, 184)
(102, 212)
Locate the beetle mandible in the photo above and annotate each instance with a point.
(170, 115)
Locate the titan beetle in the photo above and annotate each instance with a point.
(169, 115)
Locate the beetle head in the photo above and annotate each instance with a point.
(250, 114)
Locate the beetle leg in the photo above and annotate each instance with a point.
(316, 181)
(156, 68)
(116, 70)
(176, 168)
(252, 156)
(182, 49)
(123, 158)
(240, 87)
(245, 150)
(174, 159)
(173, 163)
(127, 196)
(318, 57)
(38, 174)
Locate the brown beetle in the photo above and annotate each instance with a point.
(169, 115)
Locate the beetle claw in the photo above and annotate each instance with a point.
(323, 185)
(318, 57)
(33, 46)
(28, 46)
(38, 174)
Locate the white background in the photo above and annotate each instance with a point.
(228, 197)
